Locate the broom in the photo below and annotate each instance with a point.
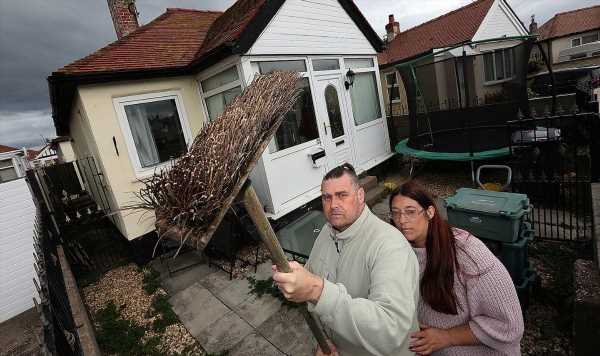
(191, 198)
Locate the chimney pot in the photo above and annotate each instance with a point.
(124, 16)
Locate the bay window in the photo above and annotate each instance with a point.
(220, 90)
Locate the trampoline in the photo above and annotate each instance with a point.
(461, 99)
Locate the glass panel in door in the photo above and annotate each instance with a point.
(334, 112)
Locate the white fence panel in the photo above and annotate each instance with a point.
(17, 219)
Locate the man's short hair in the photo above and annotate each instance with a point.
(342, 169)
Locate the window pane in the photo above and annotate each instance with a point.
(508, 62)
(156, 131)
(365, 99)
(6, 163)
(589, 38)
(216, 104)
(334, 112)
(223, 78)
(488, 60)
(293, 66)
(7, 174)
(358, 62)
(325, 64)
(578, 56)
(499, 65)
(390, 79)
(395, 93)
(300, 124)
(575, 42)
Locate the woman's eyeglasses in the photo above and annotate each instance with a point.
(409, 214)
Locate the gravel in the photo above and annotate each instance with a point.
(123, 286)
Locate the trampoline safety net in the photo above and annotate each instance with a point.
(459, 100)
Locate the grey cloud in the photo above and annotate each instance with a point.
(40, 36)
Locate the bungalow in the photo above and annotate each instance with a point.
(476, 24)
(137, 103)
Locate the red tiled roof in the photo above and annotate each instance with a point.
(452, 28)
(171, 40)
(575, 21)
(31, 153)
(4, 149)
(230, 25)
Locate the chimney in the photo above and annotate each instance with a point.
(124, 16)
(533, 27)
(392, 28)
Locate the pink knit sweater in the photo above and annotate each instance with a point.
(487, 301)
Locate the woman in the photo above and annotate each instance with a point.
(468, 303)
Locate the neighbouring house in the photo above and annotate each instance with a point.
(45, 156)
(571, 42)
(17, 219)
(137, 103)
(489, 27)
(571, 38)
(13, 163)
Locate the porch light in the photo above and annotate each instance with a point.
(350, 79)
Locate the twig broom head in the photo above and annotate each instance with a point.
(191, 196)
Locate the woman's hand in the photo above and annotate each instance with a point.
(429, 340)
(331, 347)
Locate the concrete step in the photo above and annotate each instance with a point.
(375, 195)
(368, 182)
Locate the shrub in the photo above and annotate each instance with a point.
(166, 315)
(122, 337)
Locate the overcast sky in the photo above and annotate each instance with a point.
(39, 36)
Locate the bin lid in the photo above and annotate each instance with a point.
(496, 203)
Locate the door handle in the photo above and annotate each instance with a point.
(325, 127)
(315, 156)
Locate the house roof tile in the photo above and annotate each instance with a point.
(171, 40)
(4, 149)
(571, 22)
(449, 29)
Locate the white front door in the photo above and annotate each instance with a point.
(332, 116)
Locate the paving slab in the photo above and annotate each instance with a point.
(256, 310)
(181, 280)
(224, 333)
(253, 345)
(217, 281)
(287, 330)
(235, 293)
(182, 260)
(197, 308)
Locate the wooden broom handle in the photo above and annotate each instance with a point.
(257, 214)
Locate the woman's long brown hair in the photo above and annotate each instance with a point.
(437, 283)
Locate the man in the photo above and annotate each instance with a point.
(362, 276)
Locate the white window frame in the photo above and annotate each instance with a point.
(374, 69)
(581, 36)
(388, 86)
(13, 166)
(254, 69)
(121, 102)
(493, 53)
(236, 83)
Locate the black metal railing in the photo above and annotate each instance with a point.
(78, 205)
(553, 159)
(59, 333)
